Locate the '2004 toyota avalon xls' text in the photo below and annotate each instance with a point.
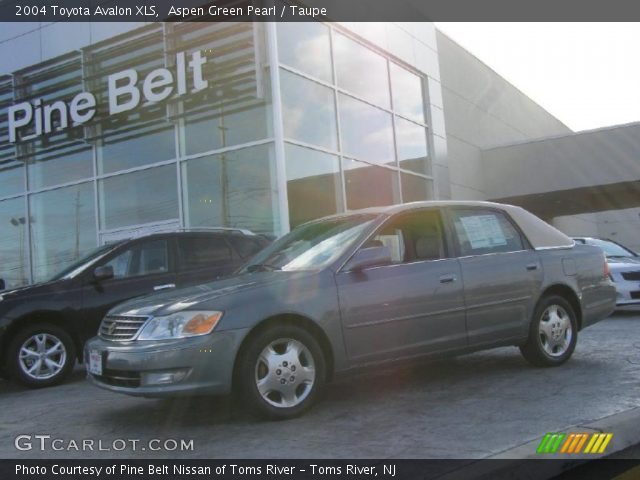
(365, 287)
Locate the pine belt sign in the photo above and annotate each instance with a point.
(124, 93)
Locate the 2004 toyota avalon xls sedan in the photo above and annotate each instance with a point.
(365, 287)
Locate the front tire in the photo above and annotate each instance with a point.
(553, 333)
(281, 372)
(41, 355)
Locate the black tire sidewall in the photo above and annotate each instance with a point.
(19, 338)
(248, 388)
(545, 303)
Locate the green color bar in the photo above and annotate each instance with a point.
(543, 443)
(556, 446)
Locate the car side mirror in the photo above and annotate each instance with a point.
(2, 284)
(104, 272)
(369, 257)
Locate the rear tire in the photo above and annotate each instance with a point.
(40, 356)
(553, 333)
(281, 372)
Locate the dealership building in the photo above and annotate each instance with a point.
(109, 131)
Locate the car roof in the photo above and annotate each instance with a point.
(540, 234)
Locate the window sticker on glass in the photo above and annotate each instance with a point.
(483, 231)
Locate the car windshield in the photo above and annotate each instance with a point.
(612, 249)
(311, 246)
(80, 265)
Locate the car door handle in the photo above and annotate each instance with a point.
(164, 287)
(447, 278)
(532, 266)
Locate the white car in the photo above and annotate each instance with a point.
(624, 270)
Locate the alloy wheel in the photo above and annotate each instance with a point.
(42, 356)
(555, 330)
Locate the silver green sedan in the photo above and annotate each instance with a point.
(361, 288)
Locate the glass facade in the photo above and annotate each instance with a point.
(349, 131)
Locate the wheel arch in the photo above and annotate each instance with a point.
(569, 294)
(289, 319)
(34, 318)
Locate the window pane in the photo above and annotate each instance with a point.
(308, 111)
(63, 228)
(367, 132)
(480, 232)
(408, 99)
(361, 71)
(415, 189)
(313, 184)
(234, 189)
(223, 126)
(129, 149)
(369, 186)
(246, 247)
(11, 177)
(73, 162)
(411, 142)
(305, 46)
(140, 197)
(145, 259)
(13, 243)
(203, 252)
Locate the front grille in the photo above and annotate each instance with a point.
(121, 328)
(635, 276)
(635, 295)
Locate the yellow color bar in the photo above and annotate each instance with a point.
(594, 437)
(606, 441)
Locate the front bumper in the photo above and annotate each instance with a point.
(204, 364)
(627, 291)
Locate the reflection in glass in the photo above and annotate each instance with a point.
(11, 177)
(234, 189)
(367, 132)
(305, 46)
(411, 142)
(225, 125)
(73, 162)
(308, 111)
(313, 184)
(63, 228)
(415, 189)
(13, 243)
(361, 71)
(369, 186)
(408, 99)
(134, 148)
(140, 197)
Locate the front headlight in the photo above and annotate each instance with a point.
(183, 324)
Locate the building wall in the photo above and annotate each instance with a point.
(482, 110)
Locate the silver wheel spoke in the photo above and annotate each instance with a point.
(285, 373)
(555, 331)
(42, 356)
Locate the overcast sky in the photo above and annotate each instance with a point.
(585, 74)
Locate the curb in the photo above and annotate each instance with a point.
(522, 462)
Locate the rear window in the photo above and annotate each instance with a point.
(203, 252)
(485, 231)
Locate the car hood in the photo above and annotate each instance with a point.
(167, 303)
(623, 263)
(36, 289)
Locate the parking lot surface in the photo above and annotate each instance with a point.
(472, 406)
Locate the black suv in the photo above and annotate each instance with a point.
(43, 327)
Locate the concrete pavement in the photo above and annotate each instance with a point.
(482, 405)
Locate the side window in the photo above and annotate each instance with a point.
(246, 247)
(485, 231)
(203, 252)
(412, 237)
(143, 259)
